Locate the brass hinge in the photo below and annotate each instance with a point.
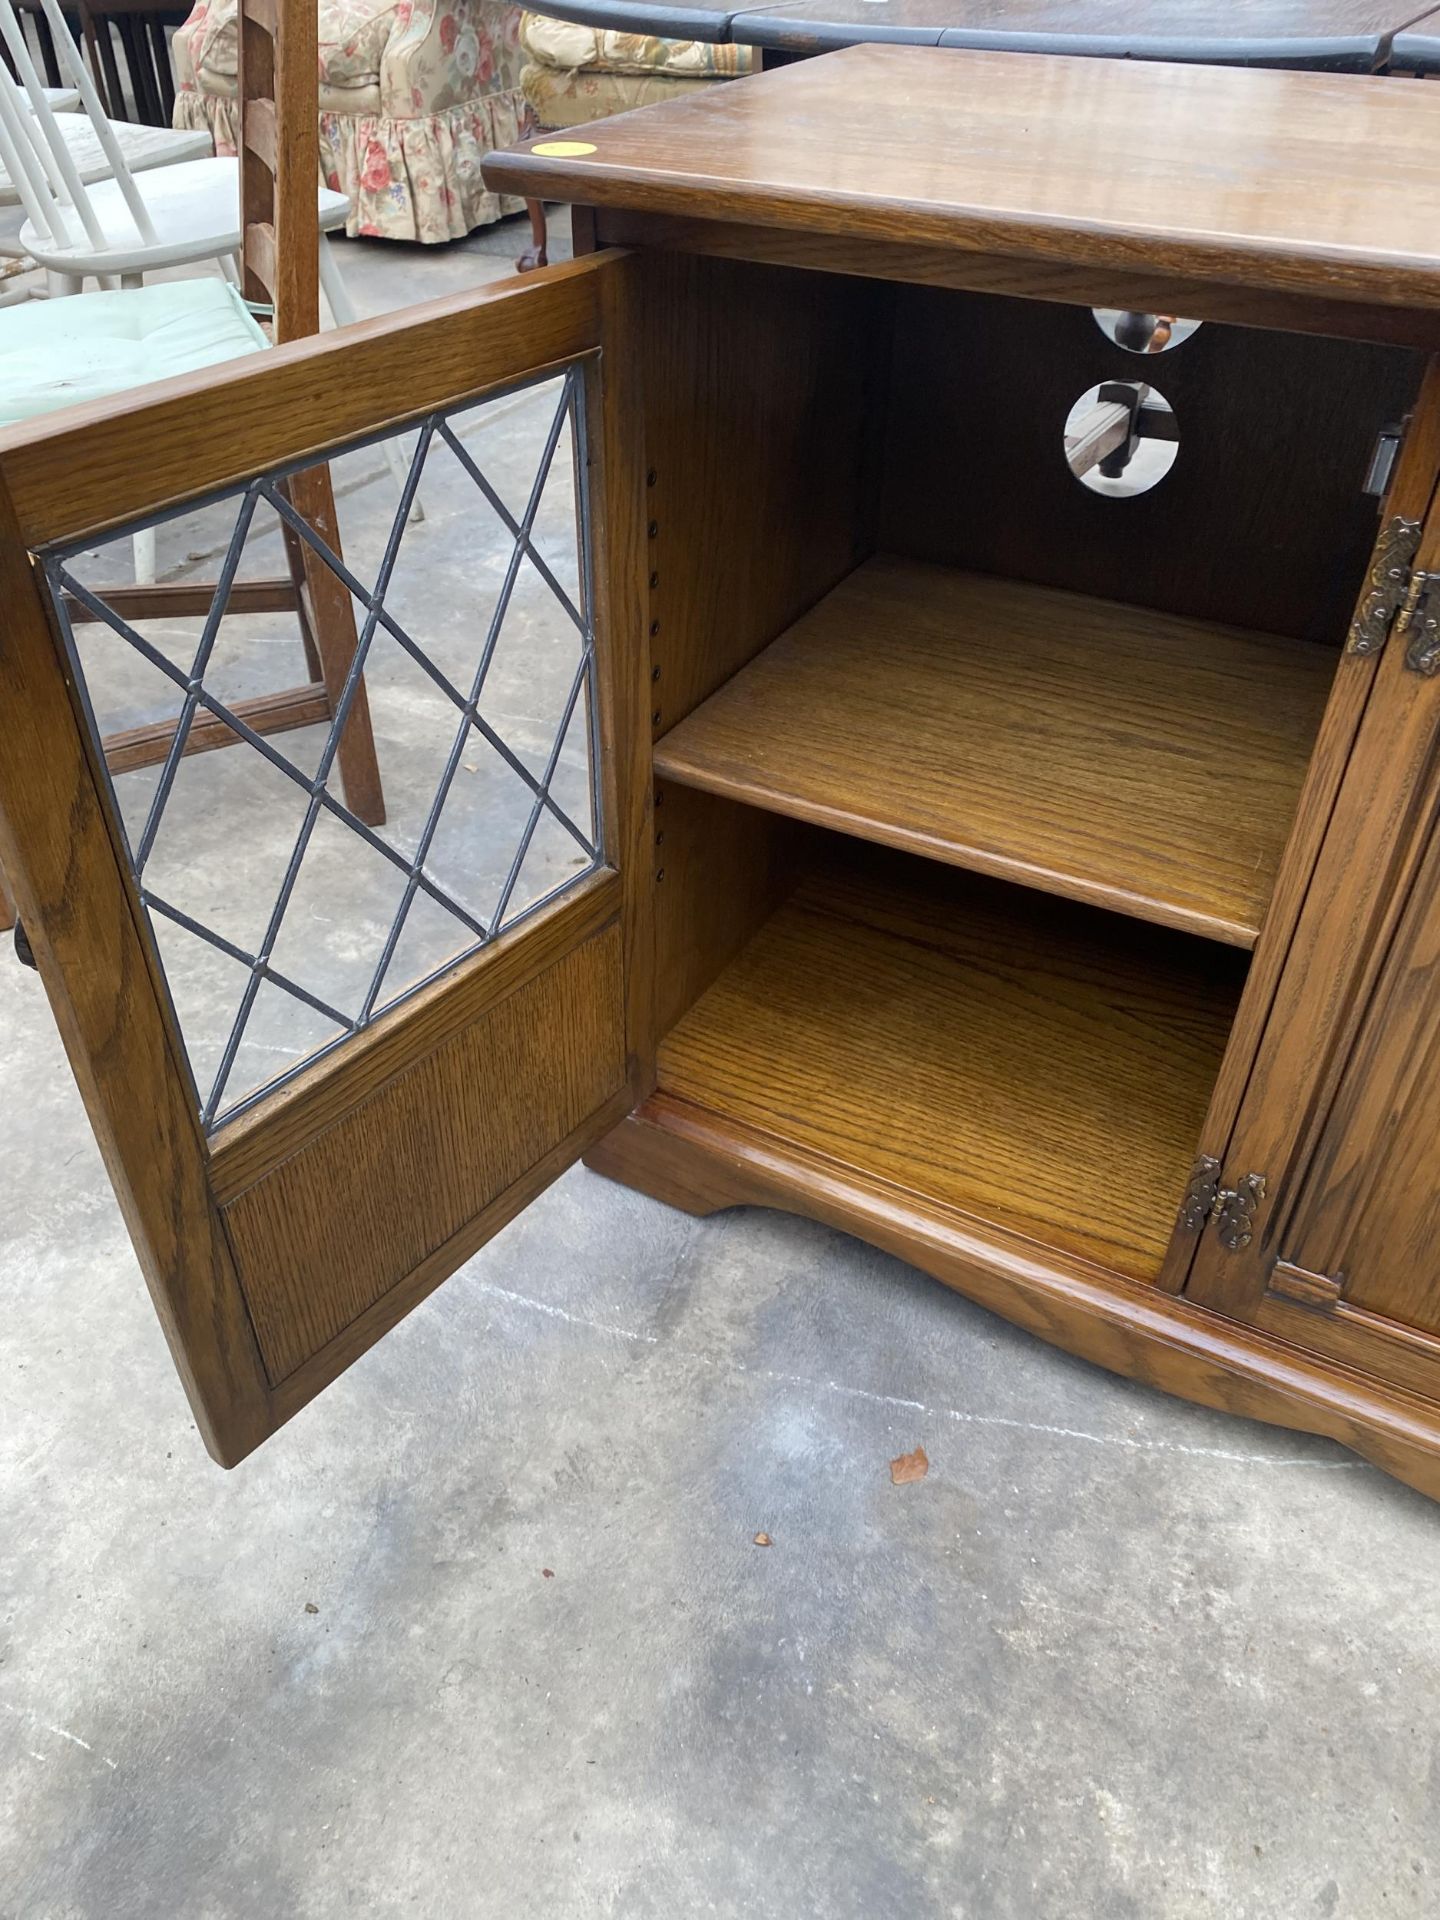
(1234, 1211)
(1418, 619)
(1199, 1201)
(1231, 1208)
(1388, 587)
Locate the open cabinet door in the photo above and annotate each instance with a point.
(310, 1119)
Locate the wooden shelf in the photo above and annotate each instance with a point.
(1031, 1064)
(1147, 763)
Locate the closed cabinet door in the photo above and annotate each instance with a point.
(1324, 1226)
(344, 969)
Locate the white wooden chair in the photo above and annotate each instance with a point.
(88, 142)
(126, 225)
(108, 343)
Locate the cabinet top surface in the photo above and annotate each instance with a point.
(1307, 182)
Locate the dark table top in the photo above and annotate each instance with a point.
(1418, 49)
(1354, 35)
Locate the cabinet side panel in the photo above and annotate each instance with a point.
(764, 391)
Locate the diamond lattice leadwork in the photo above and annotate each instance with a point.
(446, 878)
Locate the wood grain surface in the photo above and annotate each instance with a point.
(94, 466)
(1130, 285)
(1060, 741)
(702, 1160)
(1232, 173)
(1352, 921)
(1031, 1064)
(361, 1205)
(1262, 520)
(763, 407)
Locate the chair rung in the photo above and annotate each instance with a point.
(178, 602)
(259, 131)
(268, 713)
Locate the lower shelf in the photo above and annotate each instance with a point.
(1038, 1065)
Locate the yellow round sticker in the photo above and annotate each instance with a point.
(562, 149)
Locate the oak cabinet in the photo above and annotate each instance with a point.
(1038, 879)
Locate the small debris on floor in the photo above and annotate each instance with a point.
(763, 1540)
(547, 1573)
(310, 1607)
(909, 1466)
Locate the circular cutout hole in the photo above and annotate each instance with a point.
(1143, 332)
(1121, 438)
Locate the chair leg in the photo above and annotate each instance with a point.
(342, 312)
(332, 285)
(143, 548)
(331, 624)
(537, 254)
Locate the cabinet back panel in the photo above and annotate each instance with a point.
(1261, 521)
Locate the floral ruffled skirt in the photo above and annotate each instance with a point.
(406, 179)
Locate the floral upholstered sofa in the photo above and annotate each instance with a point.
(413, 94)
(573, 74)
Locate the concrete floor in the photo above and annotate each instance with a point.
(485, 1632)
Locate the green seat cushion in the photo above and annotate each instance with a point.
(57, 353)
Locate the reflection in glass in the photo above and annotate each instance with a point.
(1143, 332)
(1121, 438)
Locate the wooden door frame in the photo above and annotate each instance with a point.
(89, 470)
(1270, 1105)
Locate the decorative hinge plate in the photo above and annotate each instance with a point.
(1199, 1201)
(1418, 619)
(1234, 1211)
(1388, 585)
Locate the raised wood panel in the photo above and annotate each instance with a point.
(1261, 522)
(1064, 742)
(1104, 163)
(1375, 846)
(1032, 1065)
(1363, 1223)
(1355, 678)
(358, 1207)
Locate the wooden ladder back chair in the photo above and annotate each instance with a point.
(279, 140)
(280, 164)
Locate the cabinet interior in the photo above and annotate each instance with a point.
(972, 784)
